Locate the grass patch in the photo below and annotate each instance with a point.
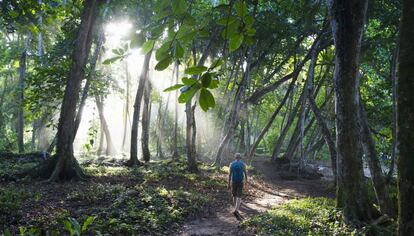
(310, 216)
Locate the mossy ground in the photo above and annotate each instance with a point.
(152, 199)
(308, 216)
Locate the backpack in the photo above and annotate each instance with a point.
(237, 169)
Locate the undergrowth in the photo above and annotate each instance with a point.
(152, 199)
(309, 216)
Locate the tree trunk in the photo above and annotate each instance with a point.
(20, 108)
(146, 116)
(67, 166)
(175, 140)
(110, 148)
(347, 26)
(237, 106)
(380, 186)
(279, 142)
(405, 123)
(137, 107)
(191, 159)
(269, 123)
(126, 111)
(160, 152)
(190, 115)
(85, 91)
(101, 139)
(394, 63)
(319, 118)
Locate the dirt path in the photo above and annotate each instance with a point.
(262, 193)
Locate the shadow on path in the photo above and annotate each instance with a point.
(261, 194)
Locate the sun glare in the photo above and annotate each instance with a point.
(119, 29)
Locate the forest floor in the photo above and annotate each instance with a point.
(159, 198)
(266, 188)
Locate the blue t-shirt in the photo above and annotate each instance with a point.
(237, 171)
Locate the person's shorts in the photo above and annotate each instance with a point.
(237, 189)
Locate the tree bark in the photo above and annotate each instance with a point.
(234, 113)
(269, 123)
(85, 91)
(110, 148)
(67, 167)
(20, 108)
(319, 118)
(146, 116)
(316, 46)
(405, 122)
(279, 142)
(393, 75)
(175, 138)
(133, 160)
(126, 113)
(380, 186)
(347, 26)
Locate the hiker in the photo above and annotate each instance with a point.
(238, 178)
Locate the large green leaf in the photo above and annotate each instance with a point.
(195, 70)
(179, 6)
(216, 64)
(206, 80)
(236, 41)
(241, 8)
(87, 222)
(188, 81)
(226, 20)
(174, 87)
(178, 50)
(214, 84)
(163, 51)
(188, 94)
(206, 99)
(111, 60)
(163, 64)
(148, 46)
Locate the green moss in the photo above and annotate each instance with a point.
(310, 216)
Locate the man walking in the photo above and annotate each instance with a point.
(237, 174)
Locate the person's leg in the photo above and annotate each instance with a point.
(239, 194)
(238, 202)
(234, 193)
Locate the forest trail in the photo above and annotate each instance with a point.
(262, 194)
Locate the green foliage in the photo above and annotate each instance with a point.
(74, 228)
(311, 216)
(11, 200)
(152, 199)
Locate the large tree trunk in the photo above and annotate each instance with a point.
(175, 138)
(110, 148)
(160, 152)
(20, 96)
(67, 166)
(190, 114)
(146, 116)
(393, 75)
(85, 91)
(133, 160)
(347, 27)
(319, 118)
(405, 127)
(191, 159)
(380, 186)
(126, 111)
